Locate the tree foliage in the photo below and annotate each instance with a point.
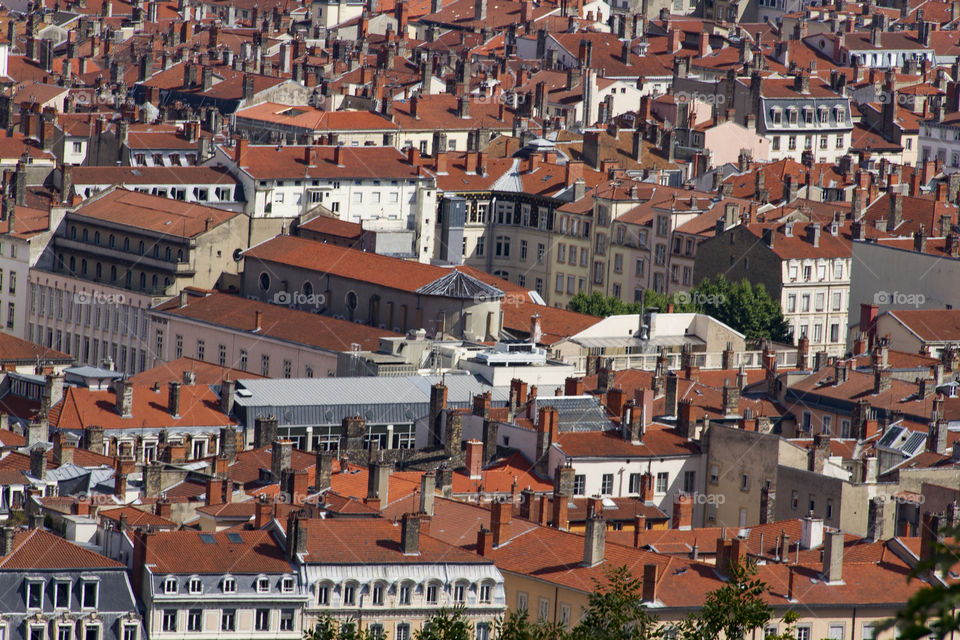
(931, 612)
(743, 306)
(446, 624)
(329, 629)
(734, 610)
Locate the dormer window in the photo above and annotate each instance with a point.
(229, 585)
(485, 593)
(90, 594)
(776, 115)
(287, 585)
(808, 116)
(170, 585)
(34, 594)
(792, 115)
(263, 585)
(195, 585)
(840, 115)
(460, 593)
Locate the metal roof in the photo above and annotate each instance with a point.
(577, 413)
(380, 400)
(461, 286)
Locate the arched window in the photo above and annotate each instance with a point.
(73, 264)
(83, 267)
(265, 281)
(85, 236)
(96, 238)
(140, 247)
(143, 281)
(112, 241)
(126, 244)
(167, 254)
(113, 273)
(98, 271)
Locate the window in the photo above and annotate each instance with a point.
(689, 481)
(565, 616)
(794, 500)
(376, 631)
(403, 631)
(377, 595)
(287, 369)
(179, 345)
(432, 592)
(745, 482)
(229, 585)
(523, 249)
(561, 253)
(61, 595)
(825, 424)
(228, 620)
(541, 249)
(404, 596)
(89, 594)
(349, 594)
(606, 484)
(286, 585)
(835, 631)
(559, 285)
(543, 609)
(261, 620)
(286, 620)
(579, 485)
(521, 601)
(243, 359)
(34, 594)
(662, 482)
(170, 586)
(195, 620)
(483, 631)
(480, 242)
(635, 482)
(169, 620)
(201, 349)
(323, 595)
(485, 592)
(221, 355)
(129, 632)
(64, 632)
(265, 365)
(459, 593)
(263, 585)
(803, 633)
(502, 247)
(792, 143)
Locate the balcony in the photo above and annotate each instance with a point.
(105, 254)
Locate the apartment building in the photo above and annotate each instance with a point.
(249, 335)
(804, 266)
(372, 289)
(797, 115)
(217, 584)
(196, 185)
(54, 589)
(939, 139)
(396, 577)
(141, 423)
(381, 188)
(114, 257)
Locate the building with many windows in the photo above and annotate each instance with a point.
(804, 266)
(217, 585)
(56, 590)
(115, 256)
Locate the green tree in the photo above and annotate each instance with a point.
(329, 629)
(931, 612)
(615, 611)
(446, 624)
(517, 626)
(596, 304)
(743, 306)
(734, 610)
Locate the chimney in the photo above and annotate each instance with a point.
(561, 506)
(730, 398)
(8, 533)
(378, 482)
(124, 398)
(833, 558)
(682, 516)
(264, 512)
(427, 490)
(650, 577)
(173, 399)
(62, 449)
(38, 462)
(474, 459)
(323, 473)
(937, 436)
(214, 491)
(875, 519)
(264, 431)
(548, 428)
(501, 515)
(281, 459)
(882, 379)
(594, 540)
(811, 531)
(410, 534)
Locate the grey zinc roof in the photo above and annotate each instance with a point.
(457, 284)
(380, 400)
(577, 413)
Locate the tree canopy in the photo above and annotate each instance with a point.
(745, 307)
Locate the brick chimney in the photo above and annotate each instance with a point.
(501, 515)
(474, 459)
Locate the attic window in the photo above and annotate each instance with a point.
(291, 113)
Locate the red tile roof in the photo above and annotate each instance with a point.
(153, 213)
(40, 549)
(186, 552)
